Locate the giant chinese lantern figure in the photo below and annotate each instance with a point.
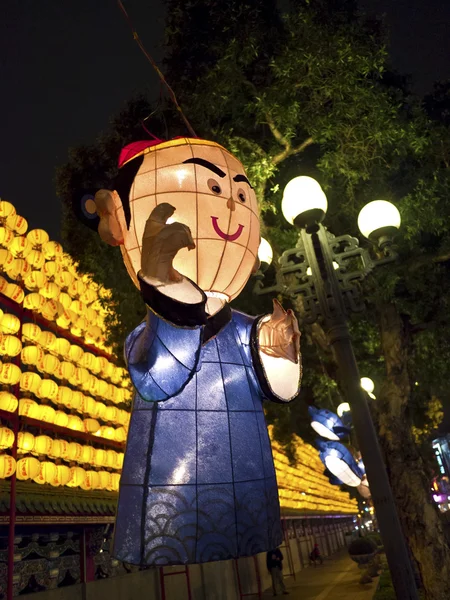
(198, 481)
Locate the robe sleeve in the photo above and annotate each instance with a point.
(163, 352)
(278, 378)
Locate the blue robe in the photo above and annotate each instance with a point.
(198, 482)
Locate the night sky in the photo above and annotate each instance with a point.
(67, 66)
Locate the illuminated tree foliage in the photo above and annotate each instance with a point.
(309, 91)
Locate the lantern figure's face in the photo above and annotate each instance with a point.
(211, 194)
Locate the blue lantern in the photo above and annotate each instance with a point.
(327, 424)
(340, 462)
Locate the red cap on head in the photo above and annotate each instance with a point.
(131, 150)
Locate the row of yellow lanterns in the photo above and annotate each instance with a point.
(88, 363)
(43, 445)
(47, 414)
(57, 475)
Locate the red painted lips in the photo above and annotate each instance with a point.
(230, 237)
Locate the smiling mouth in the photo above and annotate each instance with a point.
(230, 237)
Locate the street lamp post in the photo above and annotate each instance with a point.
(324, 270)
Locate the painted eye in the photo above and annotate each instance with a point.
(214, 186)
(241, 195)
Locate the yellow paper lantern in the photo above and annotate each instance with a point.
(67, 370)
(99, 410)
(48, 390)
(10, 374)
(65, 300)
(28, 408)
(119, 463)
(102, 388)
(50, 364)
(35, 280)
(77, 476)
(18, 223)
(74, 451)
(75, 423)
(47, 473)
(63, 320)
(6, 209)
(37, 237)
(34, 301)
(96, 365)
(28, 468)
(55, 451)
(100, 457)
(52, 250)
(7, 466)
(94, 386)
(31, 332)
(14, 292)
(47, 414)
(87, 405)
(120, 435)
(111, 414)
(51, 270)
(18, 270)
(91, 425)
(77, 400)
(6, 438)
(9, 324)
(115, 482)
(50, 290)
(87, 360)
(36, 260)
(91, 315)
(6, 237)
(52, 309)
(25, 442)
(47, 339)
(10, 345)
(61, 418)
(42, 445)
(105, 480)
(6, 260)
(64, 279)
(62, 347)
(91, 481)
(20, 247)
(89, 295)
(111, 458)
(87, 456)
(8, 402)
(76, 288)
(63, 474)
(78, 307)
(76, 353)
(3, 284)
(64, 396)
(29, 381)
(32, 355)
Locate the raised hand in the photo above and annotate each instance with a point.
(160, 244)
(279, 336)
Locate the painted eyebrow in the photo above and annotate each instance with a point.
(242, 178)
(205, 163)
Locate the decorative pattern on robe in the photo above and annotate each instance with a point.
(198, 482)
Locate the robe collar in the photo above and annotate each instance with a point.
(216, 323)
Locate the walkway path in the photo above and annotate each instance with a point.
(337, 579)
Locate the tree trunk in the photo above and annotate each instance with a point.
(411, 484)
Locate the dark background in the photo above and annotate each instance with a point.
(66, 66)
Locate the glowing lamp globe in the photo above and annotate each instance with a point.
(34, 302)
(37, 237)
(115, 480)
(47, 414)
(56, 449)
(10, 345)
(75, 423)
(47, 473)
(304, 202)
(87, 456)
(63, 474)
(48, 390)
(27, 468)
(111, 458)
(20, 247)
(75, 353)
(6, 237)
(9, 324)
(379, 219)
(17, 223)
(105, 480)
(61, 418)
(52, 250)
(91, 481)
(7, 466)
(31, 332)
(77, 476)
(265, 252)
(6, 210)
(10, 374)
(42, 445)
(91, 425)
(14, 292)
(100, 457)
(368, 386)
(343, 408)
(119, 434)
(74, 451)
(211, 194)
(67, 370)
(36, 260)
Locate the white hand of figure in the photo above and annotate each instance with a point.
(279, 336)
(160, 244)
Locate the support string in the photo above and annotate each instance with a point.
(138, 41)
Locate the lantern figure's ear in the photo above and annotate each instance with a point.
(83, 203)
(109, 229)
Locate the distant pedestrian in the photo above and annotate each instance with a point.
(315, 555)
(275, 567)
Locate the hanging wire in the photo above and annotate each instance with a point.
(138, 41)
